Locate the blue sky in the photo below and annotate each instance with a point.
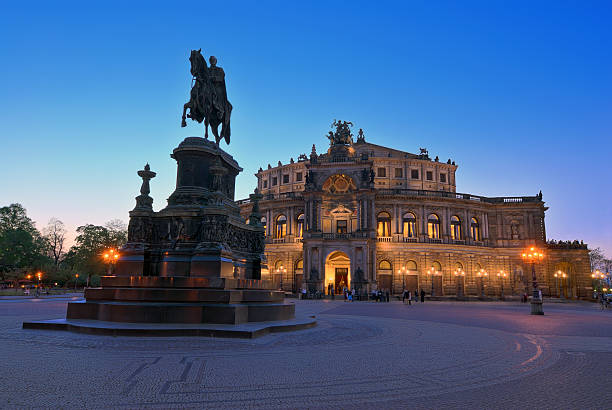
(517, 93)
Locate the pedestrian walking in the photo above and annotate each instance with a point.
(415, 296)
(409, 298)
(422, 296)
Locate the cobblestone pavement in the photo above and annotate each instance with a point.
(361, 355)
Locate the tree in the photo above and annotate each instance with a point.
(598, 259)
(117, 232)
(22, 248)
(55, 236)
(85, 255)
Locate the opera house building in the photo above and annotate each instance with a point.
(363, 216)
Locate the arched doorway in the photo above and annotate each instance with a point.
(564, 281)
(298, 275)
(337, 272)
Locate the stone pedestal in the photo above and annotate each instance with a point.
(194, 263)
(536, 307)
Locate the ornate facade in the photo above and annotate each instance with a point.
(369, 217)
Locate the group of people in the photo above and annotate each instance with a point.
(409, 296)
(380, 295)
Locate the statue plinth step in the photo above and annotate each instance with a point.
(184, 282)
(156, 312)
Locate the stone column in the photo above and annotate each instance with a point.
(307, 216)
(395, 225)
(358, 214)
(373, 214)
(423, 223)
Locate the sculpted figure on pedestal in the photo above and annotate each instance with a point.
(208, 101)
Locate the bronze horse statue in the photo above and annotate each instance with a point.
(208, 100)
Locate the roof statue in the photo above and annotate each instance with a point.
(342, 135)
(360, 136)
(208, 101)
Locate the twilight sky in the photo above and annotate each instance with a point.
(517, 93)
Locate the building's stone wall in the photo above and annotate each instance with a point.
(342, 203)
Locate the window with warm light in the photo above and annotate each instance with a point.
(281, 226)
(455, 228)
(409, 225)
(341, 226)
(385, 265)
(475, 229)
(433, 226)
(384, 224)
(299, 231)
(263, 223)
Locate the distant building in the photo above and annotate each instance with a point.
(370, 217)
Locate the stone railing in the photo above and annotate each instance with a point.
(456, 195)
(337, 236)
(467, 242)
(271, 197)
(415, 192)
(566, 245)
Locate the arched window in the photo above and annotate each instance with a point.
(384, 265)
(455, 225)
(263, 223)
(299, 232)
(411, 266)
(384, 224)
(437, 266)
(278, 265)
(409, 225)
(433, 226)
(475, 229)
(299, 266)
(281, 226)
(459, 266)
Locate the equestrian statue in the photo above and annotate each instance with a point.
(208, 100)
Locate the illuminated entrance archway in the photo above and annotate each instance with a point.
(337, 272)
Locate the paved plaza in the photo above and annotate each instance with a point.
(361, 355)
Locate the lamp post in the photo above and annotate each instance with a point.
(402, 272)
(431, 272)
(110, 256)
(280, 271)
(501, 275)
(558, 276)
(482, 274)
(533, 255)
(459, 273)
(597, 276)
(76, 279)
(38, 275)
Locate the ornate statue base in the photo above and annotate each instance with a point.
(194, 263)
